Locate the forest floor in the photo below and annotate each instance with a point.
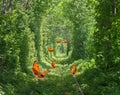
(59, 81)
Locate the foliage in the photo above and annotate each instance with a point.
(106, 40)
(81, 15)
(91, 31)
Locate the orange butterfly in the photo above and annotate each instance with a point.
(53, 64)
(58, 41)
(50, 49)
(36, 70)
(74, 69)
(65, 41)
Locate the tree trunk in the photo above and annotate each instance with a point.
(10, 6)
(4, 6)
(114, 7)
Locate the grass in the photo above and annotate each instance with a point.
(91, 79)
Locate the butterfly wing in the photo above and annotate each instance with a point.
(36, 68)
(35, 72)
(40, 76)
(74, 69)
(45, 72)
(53, 64)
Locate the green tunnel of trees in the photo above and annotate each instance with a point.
(81, 32)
